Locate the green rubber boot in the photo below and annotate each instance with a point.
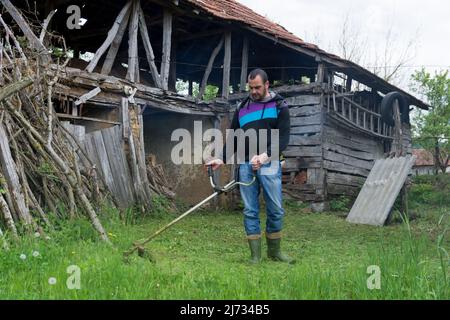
(255, 249)
(274, 251)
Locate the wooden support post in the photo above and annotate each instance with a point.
(115, 45)
(125, 119)
(321, 70)
(149, 49)
(173, 66)
(226, 67)
(133, 55)
(191, 88)
(110, 38)
(348, 84)
(244, 66)
(167, 43)
(209, 68)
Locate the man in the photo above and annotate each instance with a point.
(263, 109)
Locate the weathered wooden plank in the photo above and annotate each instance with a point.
(167, 44)
(286, 91)
(349, 152)
(84, 98)
(344, 168)
(98, 146)
(114, 148)
(307, 121)
(133, 54)
(349, 135)
(348, 143)
(303, 196)
(306, 129)
(301, 187)
(148, 48)
(226, 66)
(110, 38)
(313, 140)
(69, 116)
(12, 178)
(304, 100)
(115, 45)
(337, 189)
(316, 176)
(305, 111)
(342, 158)
(310, 162)
(314, 151)
(244, 64)
(125, 118)
(345, 179)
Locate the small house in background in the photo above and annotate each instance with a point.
(424, 164)
(139, 63)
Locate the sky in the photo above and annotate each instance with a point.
(421, 26)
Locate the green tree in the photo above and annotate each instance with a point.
(432, 127)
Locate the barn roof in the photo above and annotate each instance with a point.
(423, 158)
(234, 11)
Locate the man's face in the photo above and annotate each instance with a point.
(258, 89)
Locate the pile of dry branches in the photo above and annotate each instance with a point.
(40, 176)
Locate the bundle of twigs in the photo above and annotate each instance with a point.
(40, 176)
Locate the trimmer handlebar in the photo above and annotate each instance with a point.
(229, 187)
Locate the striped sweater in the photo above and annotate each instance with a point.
(270, 114)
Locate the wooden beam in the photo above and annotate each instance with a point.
(348, 84)
(115, 45)
(148, 49)
(203, 34)
(110, 38)
(226, 66)
(69, 116)
(209, 67)
(321, 70)
(167, 43)
(133, 54)
(173, 66)
(29, 34)
(84, 98)
(244, 65)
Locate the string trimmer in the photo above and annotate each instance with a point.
(139, 246)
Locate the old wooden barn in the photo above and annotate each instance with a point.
(120, 95)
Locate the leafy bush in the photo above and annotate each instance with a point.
(340, 204)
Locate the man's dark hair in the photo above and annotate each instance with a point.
(259, 72)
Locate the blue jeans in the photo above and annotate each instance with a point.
(269, 179)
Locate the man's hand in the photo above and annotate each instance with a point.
(216, 163)
(258, 161)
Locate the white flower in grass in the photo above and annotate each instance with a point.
(23, 256)
(37, 234)
(47, 238)
(36, 254)
(52, 281)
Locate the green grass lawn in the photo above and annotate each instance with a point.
(205, 257)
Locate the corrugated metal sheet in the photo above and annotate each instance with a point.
(382, 187)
